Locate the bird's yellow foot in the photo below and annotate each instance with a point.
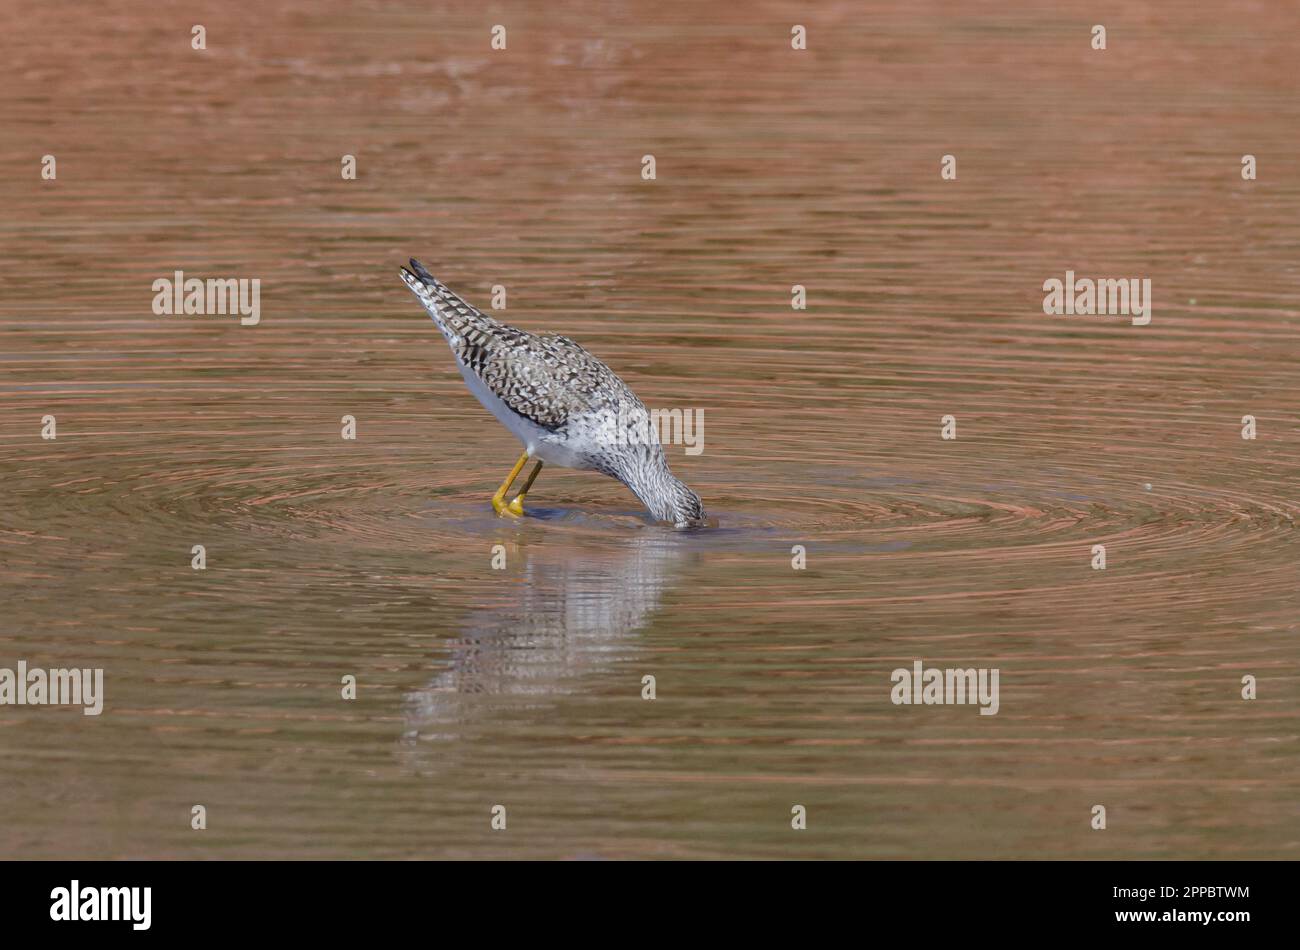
(512, 510)
(516, 506)
(499, 499)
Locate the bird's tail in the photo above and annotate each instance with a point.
(453, 315)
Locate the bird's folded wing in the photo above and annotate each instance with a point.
(546, 379)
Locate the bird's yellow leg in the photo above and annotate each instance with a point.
(517, 506)
(499, 499)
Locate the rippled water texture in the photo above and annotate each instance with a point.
(522, 686)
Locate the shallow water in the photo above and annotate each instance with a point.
(522, 686)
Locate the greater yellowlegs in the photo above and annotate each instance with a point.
(566, 407)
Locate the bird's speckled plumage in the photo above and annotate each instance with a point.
(566, 406)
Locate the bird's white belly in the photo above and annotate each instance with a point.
(539, 442)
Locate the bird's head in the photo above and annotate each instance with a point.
(665, 495)
(687, 509)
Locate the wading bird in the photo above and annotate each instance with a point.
(566, 407)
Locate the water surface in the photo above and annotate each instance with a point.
(522, 686)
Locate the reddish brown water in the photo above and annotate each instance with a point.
(522, 687)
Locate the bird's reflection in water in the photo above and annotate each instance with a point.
(565, 611)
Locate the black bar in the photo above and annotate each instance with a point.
(327, 900)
